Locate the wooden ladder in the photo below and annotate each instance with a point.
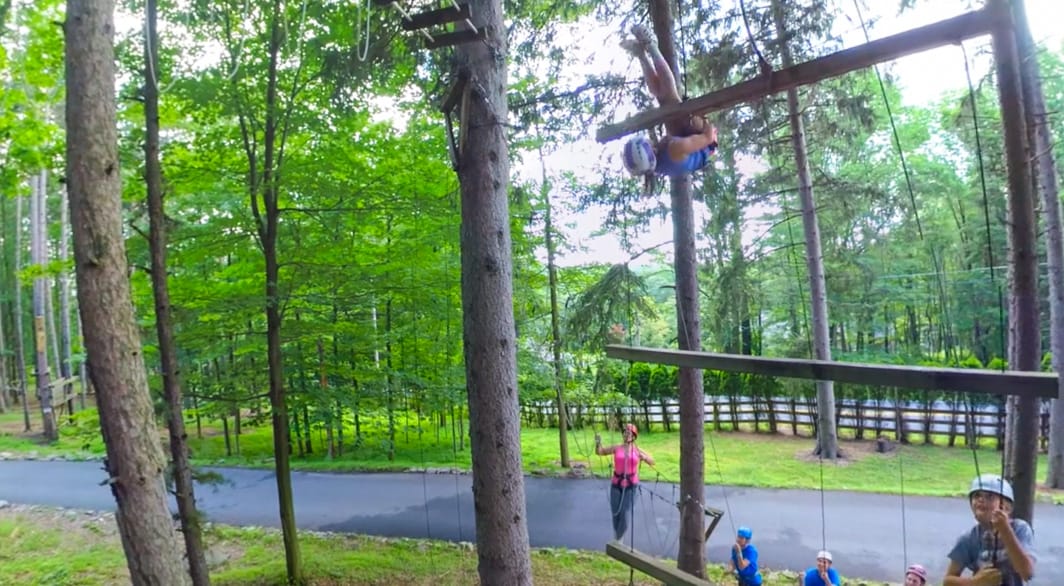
(424, 22)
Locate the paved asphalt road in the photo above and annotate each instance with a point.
(864, 531)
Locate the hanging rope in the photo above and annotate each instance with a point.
(993, 281)
(935, 260)
(365, 7)
(762, 63)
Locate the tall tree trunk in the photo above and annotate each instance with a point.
(827, 435)
(555, 322)
(20, 344)
(184, 490)
(1022, 233)
(39, 257)
(264, 182)
(1041, 139)
(323, 380)
(65, 369)
(134, 461)
(692, 551)
(6, 379)
(83, 370)
(488, 317)
(389, 380)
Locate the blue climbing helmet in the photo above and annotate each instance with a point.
(991, 483)
(745, 532)
(639, 156)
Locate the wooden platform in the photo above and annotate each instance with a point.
(652, 567)
(966, 380)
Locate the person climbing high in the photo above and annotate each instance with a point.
(688, 144)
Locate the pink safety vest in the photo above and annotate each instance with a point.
(625, 466)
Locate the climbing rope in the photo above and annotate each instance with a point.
(993, 281)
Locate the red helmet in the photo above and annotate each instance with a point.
(918, 571)
(632, 428)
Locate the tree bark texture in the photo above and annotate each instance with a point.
(1022, 234)
(20, 345)
(134, 458)
(489, 332)
(827, 435)
(1041, 139)
(555, 326)
(181, 469)
(39, 257)
(65, 368)
(691, 556)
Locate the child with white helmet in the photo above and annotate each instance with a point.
(744, 559)
(688, 144)
(998, 551)
(822, 574)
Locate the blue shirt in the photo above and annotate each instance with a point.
(812, 578)
(975, 550)
(668, 167)
(749, 576)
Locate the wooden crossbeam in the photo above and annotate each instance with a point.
(652, 567)
(433, 18)
(951, 31)
(965, 380)
(456, 38)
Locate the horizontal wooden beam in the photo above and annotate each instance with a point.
(457, 38)
(432, 18)
(964, 380)
(652, 567)
(953, 30)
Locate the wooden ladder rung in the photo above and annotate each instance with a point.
(432, 18)
(456, 38)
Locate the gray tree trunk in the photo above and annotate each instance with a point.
(827, 435)
(41, 291)
(1041, 138)
(555, 320)
(20, 344)
(134, 461)
(487, 300)
(6, 382)
(1022, 234)
(64, 301)
(691, 557)
(184, 490)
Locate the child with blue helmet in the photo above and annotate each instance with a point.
(744, 559)
(688, 144)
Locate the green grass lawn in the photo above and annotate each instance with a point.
(83, 549)
(732, 458)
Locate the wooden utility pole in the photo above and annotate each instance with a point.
(1022, 231)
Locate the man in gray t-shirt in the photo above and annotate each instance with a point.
(998, 551)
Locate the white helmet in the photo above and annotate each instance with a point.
(824, 555)
(639, 156)
(991, 483)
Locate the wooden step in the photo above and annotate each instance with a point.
(456, 38)
(432, 18)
